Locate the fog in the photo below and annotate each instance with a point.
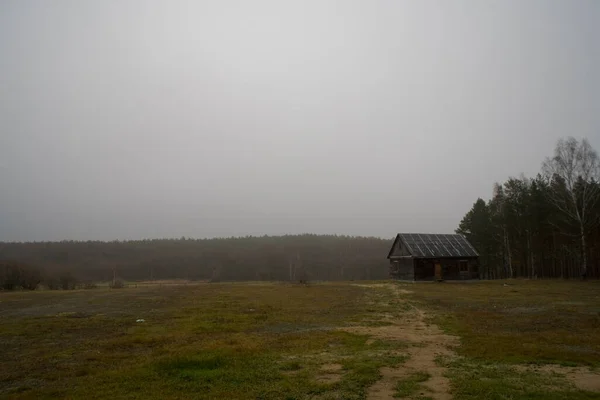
(150, 119)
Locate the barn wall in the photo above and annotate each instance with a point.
(425, 269)
(474, 268)
(402, 268)
(451, 269)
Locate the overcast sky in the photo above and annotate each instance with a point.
(146, 119)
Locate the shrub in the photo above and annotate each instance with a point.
(14, 275)
(90, 285)
(52, 282)
(67, 281)
(117, 284)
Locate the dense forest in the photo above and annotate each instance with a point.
(545, 227)
(299, 257)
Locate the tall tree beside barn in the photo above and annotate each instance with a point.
(500, 218)
(519, 214)
(477, 227)
(573, 173)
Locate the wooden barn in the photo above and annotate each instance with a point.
(428, 257)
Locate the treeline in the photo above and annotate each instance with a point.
(19, 275)
(282, 258)
(546, 227)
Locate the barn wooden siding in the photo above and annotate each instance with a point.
(425, 269)
(402, 269)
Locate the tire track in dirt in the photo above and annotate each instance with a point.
(426, 341)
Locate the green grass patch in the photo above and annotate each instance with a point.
(473, 379)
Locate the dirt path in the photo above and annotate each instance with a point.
(427, 342)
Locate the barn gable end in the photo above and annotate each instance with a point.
(399, 249)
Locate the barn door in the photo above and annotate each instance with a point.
(438, 271)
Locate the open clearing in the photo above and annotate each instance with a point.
(384, 340)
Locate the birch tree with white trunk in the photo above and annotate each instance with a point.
(574, 173)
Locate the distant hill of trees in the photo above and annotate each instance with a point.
(297, 257)
(548, 226)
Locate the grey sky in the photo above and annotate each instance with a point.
(131, 119)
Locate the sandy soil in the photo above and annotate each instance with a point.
(427, 342)
(330, 373)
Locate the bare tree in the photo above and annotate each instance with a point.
(300, 270)
(216, 271)
(292, 267)
(500, 200)
(574, 172)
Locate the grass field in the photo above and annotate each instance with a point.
(530, 339)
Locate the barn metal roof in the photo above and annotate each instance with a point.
(428, 245)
